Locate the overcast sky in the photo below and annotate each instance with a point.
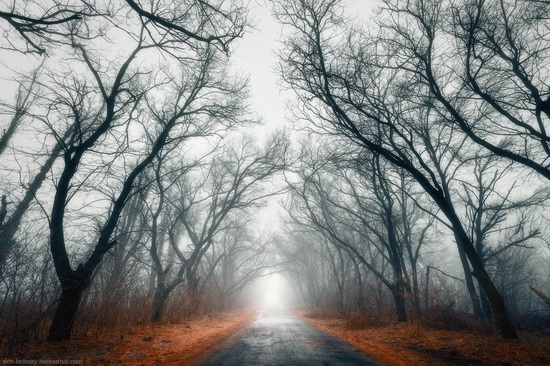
(255, 55)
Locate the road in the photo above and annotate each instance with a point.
(276, 338)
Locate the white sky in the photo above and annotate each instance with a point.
(255, 55)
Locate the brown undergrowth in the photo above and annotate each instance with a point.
(148, 345)
(411, 344)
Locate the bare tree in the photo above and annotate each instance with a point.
(164, 227)
(201, 206)
(10, 219)
(236, 259)
(212, 22)
(358, 91)
(500, 98)
(234, 184)
(415, 231)
(303, 261)
(39, 23)
(107, 111)
(500, 53)
(497, 218)
(356, 193)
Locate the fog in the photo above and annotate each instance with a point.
(374, 158)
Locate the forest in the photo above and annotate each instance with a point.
(408, 183)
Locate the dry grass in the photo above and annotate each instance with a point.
(408, 344)
(391, 344)
(163, 344)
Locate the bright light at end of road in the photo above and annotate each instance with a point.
(273, 294)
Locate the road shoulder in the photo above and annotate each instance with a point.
(147, 345)
(410, 344)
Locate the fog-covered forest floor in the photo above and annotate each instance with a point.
(148, 345)
(411, 344)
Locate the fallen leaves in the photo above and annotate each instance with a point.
(411, 344)
(147, 345)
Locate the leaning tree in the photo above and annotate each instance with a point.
(160, 89)
(351, 84)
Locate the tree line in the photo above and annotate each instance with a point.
(126, 156)
(431, 120)
(130, 178)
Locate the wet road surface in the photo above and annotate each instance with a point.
(277, 337)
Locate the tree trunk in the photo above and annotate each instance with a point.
(427, 290)
(159, 301)
(485, 306)
(360, 295)
(476, 306)
(151, 284)
(65, 314)
(498, 306)
(340, 303)
(417, 314)
(399, 299)
(540, 294)
(10, 225)
(395, 262)
(193, 290)
(496, 300)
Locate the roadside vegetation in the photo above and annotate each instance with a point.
(412, 180)
(440, 341)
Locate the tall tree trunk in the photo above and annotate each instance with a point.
(470, 285)
(399, 299)
(395, 262)
(65, 313)
(162, 292)
(159, 302)
(339, 278)
(340, 303)
(485, 305)
(151, 281)
(360, 295)
(496, 300)
(193, 289)
(498, 306)
(417, 314)
(427, 290)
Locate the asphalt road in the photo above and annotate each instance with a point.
(279, 338)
